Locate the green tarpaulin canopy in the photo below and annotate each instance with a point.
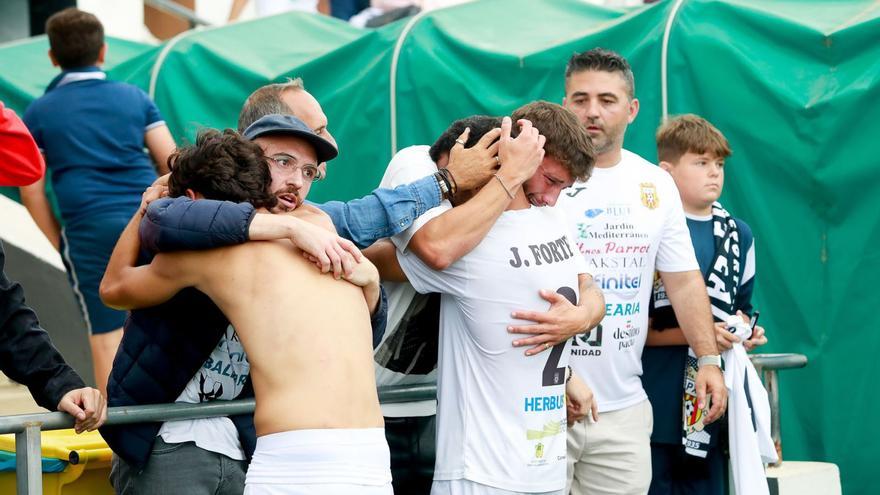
(793, 85)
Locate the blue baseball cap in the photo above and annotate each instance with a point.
(276, 123)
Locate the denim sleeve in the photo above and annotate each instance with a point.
(384, 212)
(379, 320)
(174, 224)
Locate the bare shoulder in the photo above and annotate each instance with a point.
(314, 215)
(188, 266)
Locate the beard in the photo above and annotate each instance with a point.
(288, 200)
(608, 139)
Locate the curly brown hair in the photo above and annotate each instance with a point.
(224, 166)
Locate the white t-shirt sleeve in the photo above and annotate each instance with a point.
(676, 251)
(425, 279)
(580, 263)
(402, 239)
(409, 165)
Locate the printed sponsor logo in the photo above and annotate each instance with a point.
(615, 262)
(550, 429)
(544, 403)
(622, 309)
(618, 210)
(615, 248)
(623, 284)
(540, 446)
(584, 232)
(626, 336)
(588, 343)
(593, 212)
(574, 191)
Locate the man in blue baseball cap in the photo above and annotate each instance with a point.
(291, 180)
(288, 317)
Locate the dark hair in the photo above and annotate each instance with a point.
(75, 37)
(600, 59)
(567, 139)
(266, 100)
(223, 166)
(479, 124)
(689, 133)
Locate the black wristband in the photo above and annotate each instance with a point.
(444, 175)
(443, 184)
(451, 179)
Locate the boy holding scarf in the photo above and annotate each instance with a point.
(688, 457)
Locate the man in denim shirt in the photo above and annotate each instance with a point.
(161, 353)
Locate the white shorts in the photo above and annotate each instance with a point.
(468, 487)
(321, 462)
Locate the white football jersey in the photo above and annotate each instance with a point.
(627, 220)
(501, 418)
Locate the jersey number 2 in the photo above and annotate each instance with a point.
(554, 374)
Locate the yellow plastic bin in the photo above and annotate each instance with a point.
(72, 464)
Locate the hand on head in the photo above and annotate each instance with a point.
(473, 167)
(158, 189)
(520, 156)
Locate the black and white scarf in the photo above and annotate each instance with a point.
(722, 283)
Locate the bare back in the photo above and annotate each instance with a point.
(307, 336)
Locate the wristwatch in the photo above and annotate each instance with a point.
(709, 360)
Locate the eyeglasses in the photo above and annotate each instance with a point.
(287, 163)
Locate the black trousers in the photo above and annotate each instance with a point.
(413, 448)
(676, 473)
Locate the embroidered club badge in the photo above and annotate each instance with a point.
(649, 195)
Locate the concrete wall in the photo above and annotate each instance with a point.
(32, 261)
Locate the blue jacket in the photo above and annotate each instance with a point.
(163, 347)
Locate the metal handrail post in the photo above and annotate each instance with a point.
(28, 460)
(767, 366)
(771, 383)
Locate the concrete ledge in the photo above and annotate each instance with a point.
(804, 478)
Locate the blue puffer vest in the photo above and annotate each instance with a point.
(162, 347)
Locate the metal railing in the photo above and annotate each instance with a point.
(767, 366)
(27, 427)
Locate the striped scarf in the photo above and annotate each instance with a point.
(722, 283)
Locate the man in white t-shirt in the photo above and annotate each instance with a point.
(501, 413)
(407, 354)
(627, 221)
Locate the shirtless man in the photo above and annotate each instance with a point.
(316, 399)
